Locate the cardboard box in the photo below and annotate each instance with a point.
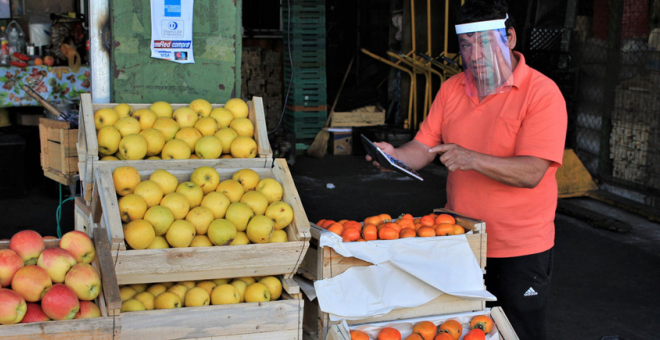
(341, 142)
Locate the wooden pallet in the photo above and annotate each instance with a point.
(325, 263)
(59, 157)
(203, 263)
(504, 328)
(88, 150)
(97, 328)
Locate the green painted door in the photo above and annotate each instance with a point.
(215, 75)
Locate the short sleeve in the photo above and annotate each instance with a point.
(543, 131)
(430, 131)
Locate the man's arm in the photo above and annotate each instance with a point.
(413, 153)
(518, 171)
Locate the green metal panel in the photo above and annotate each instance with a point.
(217, 44)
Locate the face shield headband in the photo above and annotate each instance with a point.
(486, 57)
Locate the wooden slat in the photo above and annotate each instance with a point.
(290, 195)
(260, 131)
(53, 123)
(108, 275)
(82, 329)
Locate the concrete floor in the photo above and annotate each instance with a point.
(604, 283)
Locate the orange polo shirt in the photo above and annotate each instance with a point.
(530, 120)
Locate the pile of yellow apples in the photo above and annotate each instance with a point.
(194, 132)
(161, 212)
(169, 295)
(39, 284)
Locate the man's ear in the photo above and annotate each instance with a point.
(512, 38)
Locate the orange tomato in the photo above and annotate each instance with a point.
(426, 232)
(482, 322)
(427, 221)
(475, 334)
(361, 240)
(385, 217)
(458, 230)
(388, 234)
(406, 217)
(405, 223)
(359, 335)
(452, 327)
(414, 337)
(320, 222)
(426, 329)
(393, 226)
(375, 220)
(352, 224)
(389, 333)
(370, 232)
(445, 218)
(443, 336)
(326, 224)
(350, 234)
(342, 222)
(336, 228)
(444, 229)
(407, 232)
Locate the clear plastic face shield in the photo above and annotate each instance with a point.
(486, 57)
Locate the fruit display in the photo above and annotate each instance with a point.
(196, 131)
(383, 227)
(458, 328)
(162, 212)
(170, 295)
(42, 284)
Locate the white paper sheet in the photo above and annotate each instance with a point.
(172, 30)
(407, 273)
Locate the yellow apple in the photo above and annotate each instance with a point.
(128, 126)
(150, 191)
(155, 141)
(247, 279)
(257, 292)
(190, 135)
(139, 287)
(192, 191)
(259, 229)
(132, 207)
(217, 202)
(247, 177)
(271, 188)
(133, 147)
(126, 178)
(167, 126)
(166, 180)
(177, 203)
(243, 127)
(279, 236)
(175, 149)
(240, 239)
(139, 234)
(161, 218)
(240, 214)
(197, 297)
(56, 261)
(206, 285)
(207, 126)
(221, 281)
(157, 289)
(232, 189)
(225, 294)
(221, 232)
(123, 110)
(159, 243)
(161, 109)
(105, 117)
(206, 178)
(208, 147)
(108, 139)
(238, 107)
(201, 218)
(167, 300)
(256, 201)
(226, 136)
(202, 107)
(281, 214)
(146, 118)
(180, 234)
(179, 290)
(243, 147)
(274, 286)
(222, 116)
(79, 245)
(185, 117)
(201, 241)
(32, 282)
(147, 299)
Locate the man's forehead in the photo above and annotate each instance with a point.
(475, 35)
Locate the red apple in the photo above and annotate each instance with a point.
(28, 244)
(88, 310)
(10, 263)
(32, 282)
(60, 303)
(12, 307)
(56, 262)
(34, 313)
(48, 60)
(79, 245)
(84, 280)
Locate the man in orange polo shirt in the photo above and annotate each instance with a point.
(499, 128)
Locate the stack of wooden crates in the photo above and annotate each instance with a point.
(304, 35)
(261, 71)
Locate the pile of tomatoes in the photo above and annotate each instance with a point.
(383, 227)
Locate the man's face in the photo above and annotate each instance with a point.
(484, 53)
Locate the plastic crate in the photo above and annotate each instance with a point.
(298, 22)
(305, 59)
(306, 10)
(307, 44)
(307, 99)
(304, 32)
(302, 131)
(305, 72)
(306, 118)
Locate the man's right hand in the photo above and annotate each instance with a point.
(386, 148)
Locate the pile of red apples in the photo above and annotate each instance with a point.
(39, 284)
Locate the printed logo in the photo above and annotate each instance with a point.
(182, 44)
(531, 292)
(172, 29)
(173, 8)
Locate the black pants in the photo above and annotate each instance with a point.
(522, 287)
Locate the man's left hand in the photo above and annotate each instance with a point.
(455, 157)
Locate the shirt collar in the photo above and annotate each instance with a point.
(520, 73)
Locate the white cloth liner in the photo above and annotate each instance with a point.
(400, 276)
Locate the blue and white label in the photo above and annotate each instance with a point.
(171, 30)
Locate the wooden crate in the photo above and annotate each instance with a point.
(505, 330)
(325, 263)
(88, 149)
(97, 328)
(203, 263)
(59, 157)
(366, 116)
